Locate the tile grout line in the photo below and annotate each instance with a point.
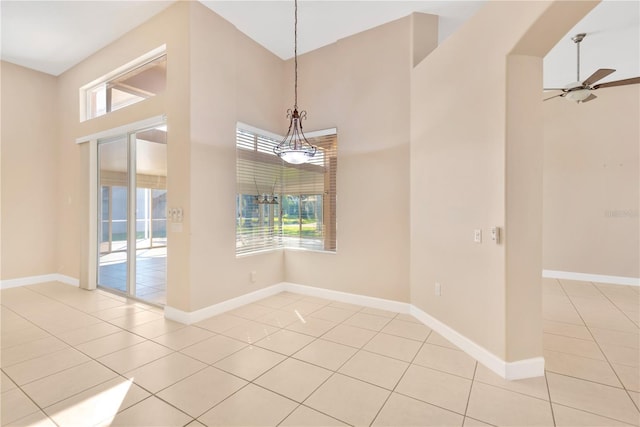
(603, 353)
(291, 357)
(40, 409)
(162, 400)
(614, 304)
(566, 336)
(585, 379)
(402, 377)
(102, 289)
(600, 348)
(592, 413)
(299, 404)
(473, 381)
(19, 387)
(279, 363)
(438, 370)
(91, 358)
(91, 314)
(577, 355)
(377, 332)
(335, 372)
(122, 375)
(546, 382)
(189, 376)
(583, 325)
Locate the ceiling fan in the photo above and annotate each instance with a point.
(581, 91)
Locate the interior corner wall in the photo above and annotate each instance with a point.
(461, 182)
(423, 26)
(215, 77)
(592, 184)
(360, 85)
(232, 79)
(29, 173)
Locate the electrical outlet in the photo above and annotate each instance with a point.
(176, 215)
(477, 236)
(495, 234)
(438, 289)
(253, 276)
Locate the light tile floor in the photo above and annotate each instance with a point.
(151, 272)
(77, 358)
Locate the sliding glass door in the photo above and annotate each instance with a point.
(113, 227)
(151, 215)
(132, 222)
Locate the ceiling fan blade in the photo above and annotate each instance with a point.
(631, 81)
(564, 89)
(555, 96)
(598, 75)
(591, 97)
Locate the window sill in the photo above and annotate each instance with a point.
(293, 249)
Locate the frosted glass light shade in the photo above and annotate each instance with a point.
(578, 95)
(295, 157)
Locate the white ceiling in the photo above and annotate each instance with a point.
(612, 41)
(322, 22)
(52, 36)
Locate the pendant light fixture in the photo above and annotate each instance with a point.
(295, 148)
(266, 199)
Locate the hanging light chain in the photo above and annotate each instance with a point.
(295, 56)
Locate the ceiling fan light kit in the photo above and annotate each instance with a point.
(580, 91)
(578, 95)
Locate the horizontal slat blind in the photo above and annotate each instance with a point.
(305, 215)
(258, 175)
(309, 200)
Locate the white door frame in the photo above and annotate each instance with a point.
(128, 130)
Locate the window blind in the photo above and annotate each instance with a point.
(283, 205)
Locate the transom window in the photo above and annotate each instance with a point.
(141, 79)
(279, 204)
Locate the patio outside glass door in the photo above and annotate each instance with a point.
(132, 222)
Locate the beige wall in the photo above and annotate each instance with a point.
(591, 184)
(170, 27)
(473, 167)
(232, 79)
(29, 172)
(224, 77)
(361, 86)
(211, 70)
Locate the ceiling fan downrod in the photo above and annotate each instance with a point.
(577, 39)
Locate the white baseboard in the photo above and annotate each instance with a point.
(366, 301)
(527, 368)
(33, 280)
(586, 277)
(508, 370)
(189, 317)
